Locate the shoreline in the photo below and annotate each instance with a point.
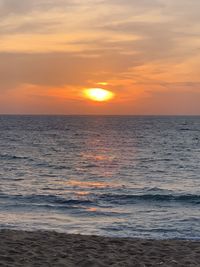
(50, 248)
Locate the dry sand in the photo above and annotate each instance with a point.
(19, 248)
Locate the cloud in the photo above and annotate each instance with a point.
(141, 48)
(15, 7)
(57, 69)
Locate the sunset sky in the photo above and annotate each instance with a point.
(146, 52)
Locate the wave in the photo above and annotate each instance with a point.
(102, 199)
(11, 157)
(123, 198)
(52, 199)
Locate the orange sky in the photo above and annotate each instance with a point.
(146, 52)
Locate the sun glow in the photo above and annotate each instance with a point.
(102, 83)
(98, 94)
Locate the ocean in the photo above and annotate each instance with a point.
(125, 176)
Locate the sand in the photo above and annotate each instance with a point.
(20, 248)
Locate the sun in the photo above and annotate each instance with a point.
(98, 94)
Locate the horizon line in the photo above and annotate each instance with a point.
(139, 115)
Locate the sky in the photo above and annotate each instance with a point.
(146, 52)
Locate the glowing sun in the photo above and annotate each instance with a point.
(98, 94)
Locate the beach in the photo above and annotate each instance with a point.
(99, 191)
(48, 248)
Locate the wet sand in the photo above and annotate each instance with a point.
(19, 248)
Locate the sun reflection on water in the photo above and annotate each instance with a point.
(82, 193)
(87, 184)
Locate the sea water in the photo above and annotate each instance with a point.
(132, 176)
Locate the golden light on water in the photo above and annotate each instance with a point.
(98, 94)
